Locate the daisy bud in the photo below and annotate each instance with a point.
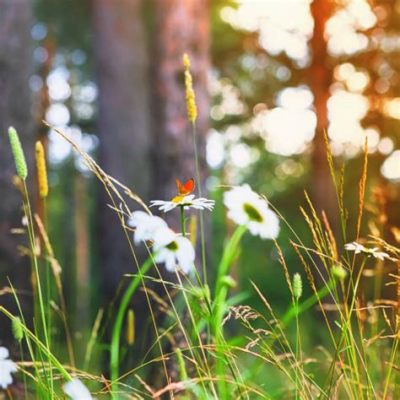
(339, 272)
(297, 286)
(229, 281)
(17, 330)
(41, 170)
(18, 153)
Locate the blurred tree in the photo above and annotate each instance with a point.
(147, 150)
(180, 27)
(320, 78)
(15, 109)
(123, 122)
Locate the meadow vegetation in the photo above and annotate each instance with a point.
(206, 340)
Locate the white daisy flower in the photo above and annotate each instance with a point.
(374, 252)
(6, 368)
(76, 390)
(356, 247)
(246, 207)
(173, 250)
(145, 225)
(189, 201)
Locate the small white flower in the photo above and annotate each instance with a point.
(374, 252)
(145, 225)
(6, 368)
(76, 390)
(186, 202)
(356, 247)
(380, 254)
(173, 250)
(246, 207)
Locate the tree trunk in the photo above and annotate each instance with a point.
(123, 123)
(320, 78)
(15, 110)
(180, 27)
(146, 157)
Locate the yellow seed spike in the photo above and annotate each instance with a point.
(41, 170)
(190, 94)
(186, 61)
(130, 327)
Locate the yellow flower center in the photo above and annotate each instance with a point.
(178, 199)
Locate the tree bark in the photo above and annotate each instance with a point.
(146, 150)
(15, 110)
(181, 27)
(320, 78)
(123, 123)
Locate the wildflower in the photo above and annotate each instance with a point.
(184, 199)
(246, 207)
(173, 250)
(6, 368)
(374, 252)
(186, 202)
(18, 153)
(356, 247)
(297, 286)
(41, 170)
(145, 225)
(190, 95)
(76, 390)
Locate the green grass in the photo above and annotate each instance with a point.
(335, 340)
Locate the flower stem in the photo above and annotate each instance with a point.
(116, 334)
(202, 237)
(37, 279)
(183, 231)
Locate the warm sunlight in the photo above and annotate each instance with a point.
(200, 199)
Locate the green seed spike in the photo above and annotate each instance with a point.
(297, 286)
(17, 329)
(18, 153)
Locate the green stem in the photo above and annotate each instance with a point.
(116, 333)
(183, 230)
(294, 311)
(32, 242)
(220, 294)
(198, 178)
(296, 305)
(52, 359)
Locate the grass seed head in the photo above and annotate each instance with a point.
(130, 327)
(190, 94)
(297, 286)
(17, 330)
(18, 153)
(41, 170)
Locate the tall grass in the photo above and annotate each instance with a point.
(196, 356)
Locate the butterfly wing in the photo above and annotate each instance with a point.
(185, 188)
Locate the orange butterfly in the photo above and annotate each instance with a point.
(185, 188)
